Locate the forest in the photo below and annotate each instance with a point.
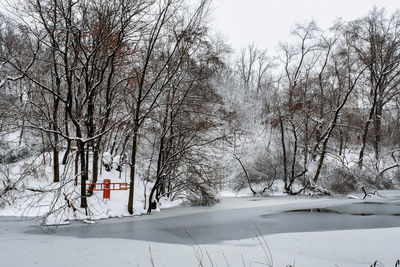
(149, 90)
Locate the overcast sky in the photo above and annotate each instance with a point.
(266, 22)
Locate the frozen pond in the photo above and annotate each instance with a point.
(301, 231)
(214, 225)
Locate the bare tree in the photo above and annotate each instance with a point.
(153, 74)
(376, 42)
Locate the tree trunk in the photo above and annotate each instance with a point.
(366, 127)
(95, 168)
(68, 149)
(76, 167)
(292, 174)
(378, 128)
(306, 148)
(56, 165)
(284, 157)
(132, 168)
(56, 162)
(95, 171)
(21, 135)
(84, 173)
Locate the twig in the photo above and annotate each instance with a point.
(226, 259)
(265, 247)
(151, 257)
(199, 252)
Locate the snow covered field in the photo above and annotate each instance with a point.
(299, 231)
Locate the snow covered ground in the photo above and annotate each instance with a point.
(38, 195)
(298, 231)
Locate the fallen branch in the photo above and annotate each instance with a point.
(366, 194)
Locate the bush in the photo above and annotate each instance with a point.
(263, 170)
(340, 179)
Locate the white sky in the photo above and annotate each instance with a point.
(266, 22)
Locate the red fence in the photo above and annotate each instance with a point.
(106, 186)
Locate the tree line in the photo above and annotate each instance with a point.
(151, 84)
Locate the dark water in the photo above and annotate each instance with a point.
(357, 209)
(210, 227)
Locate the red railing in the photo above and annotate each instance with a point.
(106, 186)
(113, 186)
